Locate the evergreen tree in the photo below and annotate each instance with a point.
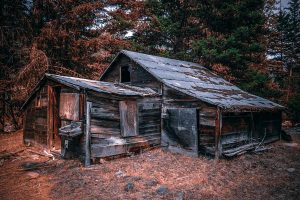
(15, 31)
(291, 34)
(234, 37)
(291, 55)
(168, 28)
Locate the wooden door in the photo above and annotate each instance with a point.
(182, 124)
(128, 117)
(53, 119)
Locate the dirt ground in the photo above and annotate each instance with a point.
(155, 174)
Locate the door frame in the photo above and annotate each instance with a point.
(54, 140)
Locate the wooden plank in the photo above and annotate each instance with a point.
(149, 106)
(103, 114)
(105, 123)
(104, 130)
(81, 106)
(218, 145)
(183, 126)
(88, 135)
(128, 117)
(234, 138)
(147, 126)
(111, 150)
(207, 121)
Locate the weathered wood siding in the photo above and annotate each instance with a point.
(149, 116)
(104, 126)
(106, 137)
(172, 100)
(243, 127)
(105, 117)
(128, 118)
(236, 129)
(207, 128)
(29, 121)
(35, 125)
(139, 76)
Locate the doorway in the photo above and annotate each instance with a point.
(53, 119)
(183, 127)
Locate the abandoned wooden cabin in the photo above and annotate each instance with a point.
(144, 100)
(115, 115)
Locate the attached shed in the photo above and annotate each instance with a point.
(109, 118)
(201, 112)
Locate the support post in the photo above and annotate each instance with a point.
(88, 134)
(218, 131)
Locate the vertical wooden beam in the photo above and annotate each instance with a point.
(197, 132)
(280, 124)
(88, 134)
(50, 117)
(81, 105)
(218, 131)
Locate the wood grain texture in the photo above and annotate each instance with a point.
(128, 117)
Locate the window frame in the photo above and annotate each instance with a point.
(121, 74)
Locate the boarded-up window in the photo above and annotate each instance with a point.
(69, 106)
(128, 117)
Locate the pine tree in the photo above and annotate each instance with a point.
(168, 28)
(80, 37)
(15, 34)
(233, 40)
(15, 37)
(291, 55)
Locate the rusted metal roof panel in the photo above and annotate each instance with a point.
(102, 87)
(198, 81)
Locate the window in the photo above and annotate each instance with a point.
(69, 106)
(125, 74)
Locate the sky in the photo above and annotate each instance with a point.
(284, 3)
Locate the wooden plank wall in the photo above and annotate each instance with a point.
(128, 118)
(29, 119)
(35, 125)
(105, 117)
(149, 116)
(207, 128)
(106, 137)
(206, 116)
(236, 129)
(139, 76)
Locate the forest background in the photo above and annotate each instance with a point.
(254, 44)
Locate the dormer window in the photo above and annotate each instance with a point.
(125, 74)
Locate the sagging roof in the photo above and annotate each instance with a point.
(198, 81)
(96, 86)
(102, 87)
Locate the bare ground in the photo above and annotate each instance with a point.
(275, 174)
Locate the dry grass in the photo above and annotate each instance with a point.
(249, 176)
